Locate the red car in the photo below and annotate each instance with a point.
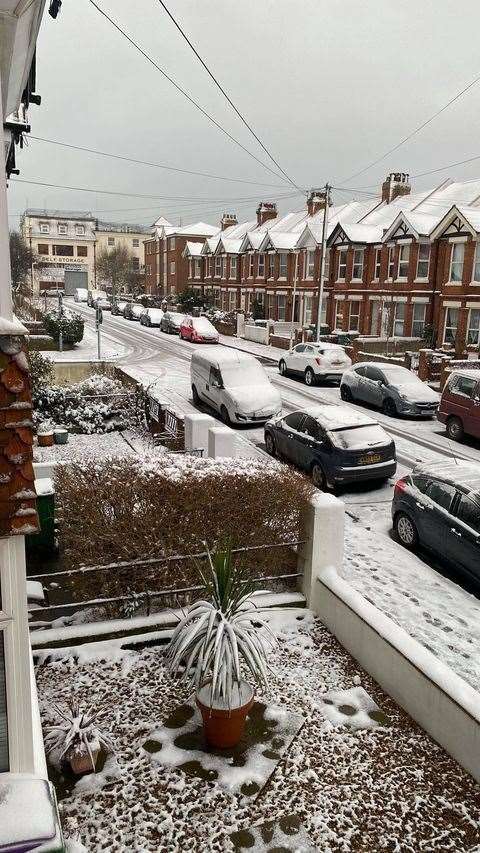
(199, 330)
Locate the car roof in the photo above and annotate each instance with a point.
(222, 355)
(322, 344)
(338, 417)
(459, 472)
(383, 365)
(472, 374)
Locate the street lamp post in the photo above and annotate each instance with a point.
(322, 260)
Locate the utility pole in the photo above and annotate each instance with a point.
(99, 320)
(295, 278)
(322, 260)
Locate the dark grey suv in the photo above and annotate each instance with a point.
(439, 507)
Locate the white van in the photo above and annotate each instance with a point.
(81, 294)
(235, 384)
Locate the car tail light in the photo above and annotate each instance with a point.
(400, 486)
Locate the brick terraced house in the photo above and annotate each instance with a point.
(166, 268)
(396, 262)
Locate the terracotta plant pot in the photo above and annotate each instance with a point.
(223, 726)
(45, 439)
(82, 763)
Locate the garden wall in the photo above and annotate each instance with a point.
(257, 334)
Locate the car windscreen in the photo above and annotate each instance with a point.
(243, 374)
(201, 324)
(358, 438)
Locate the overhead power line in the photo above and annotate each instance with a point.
(154, 165)
(180, 89)
(413, 132)
(228, 98)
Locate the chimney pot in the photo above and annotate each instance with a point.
(227, 220)
(266, 210)
(316, 201)
(395, 185)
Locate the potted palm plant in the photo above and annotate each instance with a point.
(76, 739)
(221, 638)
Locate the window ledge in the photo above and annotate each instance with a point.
(401, 280)
(356, 281)
(421, 280)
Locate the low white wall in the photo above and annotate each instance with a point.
(256, 333)
(439, 700)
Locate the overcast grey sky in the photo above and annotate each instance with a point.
(328, 86)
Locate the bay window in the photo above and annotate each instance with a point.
(224, 266)
(307, 309)
(418, 319)
(342, 265)
(338, 324)
(281, 307)
(261, 266)
(198, 268)
(378, 263)
(309, 263)
(403, 261)
(451, 322)
(357, 273)
(218, 266)
(473, 334)
(476, 267)
(208, 264)
(271, 266)
(282, 268)
(398, 319)
(456, 262)
(423, 262)
(233, 266)
(251, 265)
(391, 263)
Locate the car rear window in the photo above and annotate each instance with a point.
(469, 512)
(359, 438)
(441, 493)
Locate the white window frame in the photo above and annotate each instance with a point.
(233, 266)
(79, 230)
(110, 241)
(308, 308)
(309, 264)
(339, 304)
(208, 266)
(218, 266)
(449, 308)
(476, 342)
(476, 264)
(281, 307)
(378, 264)
(456, 247)
(416, 320)
(261, 265)
(251, 265)
(358, 264)
(135, 243)
(171, 242)
(399, 320)
(354, 303)
(391, 263)
(271, 265)
(342, 265)
(403, 262)
(44, 228)
(224, 266)
(232, 300)
(172, 267)
(197, 266)
(282, 265)
(420, 260)
(62, 228)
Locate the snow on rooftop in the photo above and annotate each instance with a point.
(194, 250)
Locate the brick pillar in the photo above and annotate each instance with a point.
(424, 364)
(18, 514)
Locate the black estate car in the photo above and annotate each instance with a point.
(438, 506)
(333, 443)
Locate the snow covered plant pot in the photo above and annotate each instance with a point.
(45, 433)
(60, 435)
(220, 641)
(76, 739)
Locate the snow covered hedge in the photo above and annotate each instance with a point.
(95, 405)
(69, 323)
(170, 505)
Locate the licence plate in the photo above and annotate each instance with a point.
(370, 459)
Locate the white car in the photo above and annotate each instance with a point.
(315, 361)
(151, 317)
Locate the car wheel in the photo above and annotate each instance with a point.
(309, 376)
(455, 429)
(225, 416)
(282, 368)
(405, 530)
(196, 398)
(318, 477)
(346, 394)
(389, 408)
(270, 444)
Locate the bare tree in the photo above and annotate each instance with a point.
(21, 260)
(117, 267)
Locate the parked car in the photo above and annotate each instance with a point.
(93, 295)
(104, 304)
(171, 322)
(151, 317)
(119, 307)
(133, 311)
(334, 444)
(199, 330)
(391, 388)
(438, 506)
(459, 406)
(235, 384)
(81, 295)
(315, 361)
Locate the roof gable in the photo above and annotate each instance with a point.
(456, 223)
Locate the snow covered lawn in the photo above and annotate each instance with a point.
(384, 788)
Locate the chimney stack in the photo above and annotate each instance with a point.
(266, 210)
(316, 201)
(395, 185)
(227, 220)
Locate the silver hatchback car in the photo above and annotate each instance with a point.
(391, 388)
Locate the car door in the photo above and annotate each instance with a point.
(295, 359)
(289, 437)
(308, 442)
(463, 537)
(436, 519)
(373, 383)
(213, 388)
